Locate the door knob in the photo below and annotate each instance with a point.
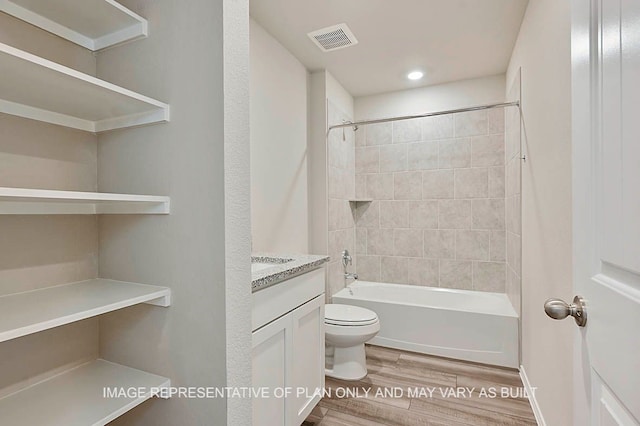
(559, 309)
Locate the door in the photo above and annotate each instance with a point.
(308, 353)
(606, 167)
(271, 369)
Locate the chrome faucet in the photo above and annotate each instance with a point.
(346, 261)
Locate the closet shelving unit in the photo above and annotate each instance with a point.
(39, 89)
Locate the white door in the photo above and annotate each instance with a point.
(606, 164)
(271, 369)
(308, 362)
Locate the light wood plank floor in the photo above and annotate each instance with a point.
(391, 369)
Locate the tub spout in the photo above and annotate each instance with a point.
(348, 275)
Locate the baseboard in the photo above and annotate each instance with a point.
(532, 397)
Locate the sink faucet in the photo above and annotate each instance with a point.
(348, 260)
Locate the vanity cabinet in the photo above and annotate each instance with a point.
(288, 349)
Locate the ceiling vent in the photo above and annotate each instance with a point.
(333, 38)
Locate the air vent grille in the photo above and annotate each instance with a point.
(333, 38)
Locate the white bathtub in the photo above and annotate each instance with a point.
(469, 325)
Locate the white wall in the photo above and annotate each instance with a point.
(278, 146)
(458, 94)
(543, 53)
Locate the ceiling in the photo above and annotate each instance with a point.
(446, 39)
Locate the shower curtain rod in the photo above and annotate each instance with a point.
(428, 114)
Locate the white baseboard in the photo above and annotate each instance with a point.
(532, 398)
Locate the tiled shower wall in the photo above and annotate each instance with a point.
(437, 215)
(341, 188)
(513, 200)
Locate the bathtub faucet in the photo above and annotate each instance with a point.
(346, 261)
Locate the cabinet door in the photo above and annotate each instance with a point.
(308, 353)
(272, 363)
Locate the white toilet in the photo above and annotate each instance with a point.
(347, 328)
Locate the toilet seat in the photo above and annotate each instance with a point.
(348, 315)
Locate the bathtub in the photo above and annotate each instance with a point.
(461, 324)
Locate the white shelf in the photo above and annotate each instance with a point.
(75, 397)
(94, 24)
(39, 89)
(42, 201)
(361, 200)
(34, 311)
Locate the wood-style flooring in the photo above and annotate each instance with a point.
(398, 371)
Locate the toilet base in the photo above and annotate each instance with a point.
(348, 363)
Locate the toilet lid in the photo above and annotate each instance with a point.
(348, 315)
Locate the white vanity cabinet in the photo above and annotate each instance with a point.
(288, 349)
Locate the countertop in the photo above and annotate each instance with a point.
(284, 266)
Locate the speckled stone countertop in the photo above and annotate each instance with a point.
(284, 266)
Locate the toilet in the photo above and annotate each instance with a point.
(347, 328)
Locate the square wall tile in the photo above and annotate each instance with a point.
(361, 240)
(472, 245)
(487, 150)
(496, 117)
(496, 182)
(380, 186)
(341, 183)
(454, 214)
(393, 158)
(368, 268)
(488, 213)
(368, 215)
(437, 127)
(423, 272)
(497, 252)
(489, 276)
(394, 270)
(380, 242)
(378, 134)
(437, 184)
(440, 244)
(422, 156)
(456, 274)
(407, 131)
(407, 243)
(471, 183)
(454, 153)
(335, 278)
(423, 214)
(361, 186)
(394, 214)
(407, 185)
(343, 239)
(340, 216)
(368, 159)
(471, 123)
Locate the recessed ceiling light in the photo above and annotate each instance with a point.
(415, 75)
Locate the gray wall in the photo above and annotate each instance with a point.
(194, 159)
